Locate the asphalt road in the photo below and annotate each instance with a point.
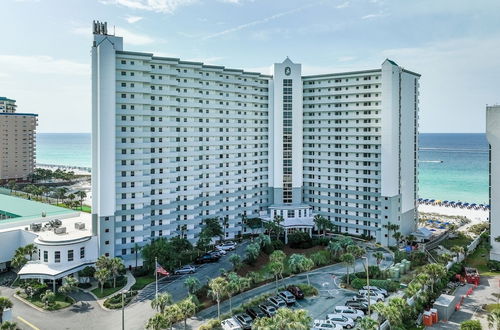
(87, 314)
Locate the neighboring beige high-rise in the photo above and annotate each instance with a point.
(17, 142)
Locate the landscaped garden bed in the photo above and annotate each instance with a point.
(115, 302)
(58, 301)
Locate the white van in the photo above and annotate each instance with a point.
(230, 324)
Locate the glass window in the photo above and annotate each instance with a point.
(70, 255)
(57, 256)
(45, 256)
(82, 252)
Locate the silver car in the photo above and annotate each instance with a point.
(188, 269)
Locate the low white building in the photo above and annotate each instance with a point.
(63, 249)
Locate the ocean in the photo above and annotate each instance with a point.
(452, 166)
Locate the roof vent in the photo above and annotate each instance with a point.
(79, 225)
(60, 230)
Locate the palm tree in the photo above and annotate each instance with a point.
(157, 322)
(435, 271)
(379, 256)
(494, 319)
(218, 288)
(298, 263)
(4, 304)
(321, 223)
(115, 268)
(82, 195)
(192, 284)
(345, 241)
(348, 259)
(187, 308)
(366, 323)
(30, 250)
(235, 259)
(48, 297)
(286, 319)
(7, 325)
(71, 198)
(18, 261)
(357, 252)
(335, 247)
(102, 276)
(391, 227)
(161, 301)
(457, 249)
(70, 285)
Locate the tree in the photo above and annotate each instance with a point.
(252, 252)
(335, 247)
(225, 225)
(69, 285)
(471, 325)
(435, 271)
(348, 259)
(494, 319)
(7, 325)
(298, 263)
(48, 297)
(345, 241)
(157, 322)
(60, 194)
(397, 236)
(379, 257)
(285, 319)
(11, 184)
(187, 308)
(366, 323)
(235, 259)
(321, 223)
(82, 195)
(253, 224)
(457, 249)
(102, 275)
(391, 227)
(192, 284)
(212, 228)
(18, 261)
(116, 267)
(4, 304)
(30, 250)
(277, 264)
(357, 252)
(218, 287)
(161, 301)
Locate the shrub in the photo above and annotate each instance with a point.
(120, 281)
(308, 290)
(211, 325)
(388, 285)
(278, 245)
(142, 271)
(268, 248)
(479, 227)
(321, 241)
(300, 240)
(84, 285)
(493, 265)
(471, 325)
(115, 302)
(88, 271)
(321, 258)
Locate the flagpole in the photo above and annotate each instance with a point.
(156, 276)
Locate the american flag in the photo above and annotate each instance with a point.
(161, 270)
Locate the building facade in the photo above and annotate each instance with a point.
(175, 142)
(493, 136)
(17, 142)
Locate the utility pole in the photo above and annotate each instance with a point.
(368, 284)
(123, 311)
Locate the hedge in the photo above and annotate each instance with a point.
(212, 324)
(388, 285)
(115, 302)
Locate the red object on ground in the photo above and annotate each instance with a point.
(471, 275)
(457, 306)
(434, 314)
(427, 319)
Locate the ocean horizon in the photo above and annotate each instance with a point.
(452, 166)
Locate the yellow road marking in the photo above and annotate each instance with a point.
(28, 323)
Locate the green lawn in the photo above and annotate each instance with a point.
(61, 301)
(85, 208)
(460, 240)
(142, 281)
(108, 290)
(479, 259)
(492, 307)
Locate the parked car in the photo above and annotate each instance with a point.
(277, 302)
(357, 304)
(207, 258)
(373, 295)
(187, 269)
(219, 252)
(325, 325)
(341, 320)
(376, 289)
(244, 320)
(267, 309)
(227, 246)
(255, 312)
(349, 312)
(288, 297)
(230, 324)
(364, 298)
(296, 291)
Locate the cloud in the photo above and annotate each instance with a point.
(159, 6)
(133, 19)
(257, 22)
(40, 64)
(131, 38)
(370, 16)
(343, 5)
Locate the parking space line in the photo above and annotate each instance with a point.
(27, 323)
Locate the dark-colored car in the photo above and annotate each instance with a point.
(357, 304)
(268, 309)
(206, 258)
(255, 312)
(296, 291)
(244, 320)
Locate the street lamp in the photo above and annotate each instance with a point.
(123, 309)
(368, 284)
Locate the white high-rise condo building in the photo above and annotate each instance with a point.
(493, 136)
(175, 142)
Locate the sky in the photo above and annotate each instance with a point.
(454, 44)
